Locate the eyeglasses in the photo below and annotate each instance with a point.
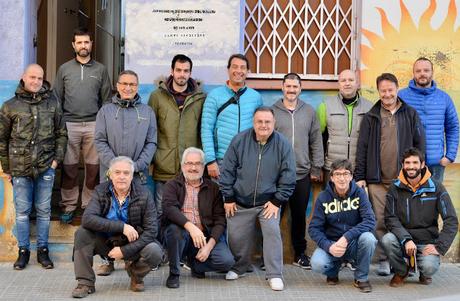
(341, 174)
(194, 164)
(131, 85)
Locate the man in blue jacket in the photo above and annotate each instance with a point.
(438, 115)
(342, 226)
(227, 111)
(258, 176)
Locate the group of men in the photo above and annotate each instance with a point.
(258, 161)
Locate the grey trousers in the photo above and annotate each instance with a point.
(241, 236)
(88, 243)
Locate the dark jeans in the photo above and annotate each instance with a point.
(179, 242)
(88, 243)
(298, 203)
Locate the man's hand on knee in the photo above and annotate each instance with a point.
(130, 232)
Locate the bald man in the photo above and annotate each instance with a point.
(339, 117)
(32, 144)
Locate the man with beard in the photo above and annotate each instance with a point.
(81, 85)
(194, 221)
(177, 104)
(32, 144)
(438, 115)
(414, 204)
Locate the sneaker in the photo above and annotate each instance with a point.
(348, 264)
(173, 281)
(276, 284)
(81, 291)
(43, 258)
(363, 286)
(384, 268)
(67, 217)
(23, 259)
(231, 275)
(425, 280)
(332, 280)
(106, 268)
(302, 261)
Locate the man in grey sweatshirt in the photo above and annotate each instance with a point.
(82, 85)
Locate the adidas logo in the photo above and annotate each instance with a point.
(339, 206)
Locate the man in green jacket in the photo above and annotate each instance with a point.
(177, 104)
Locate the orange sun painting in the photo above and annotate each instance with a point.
(397, 49)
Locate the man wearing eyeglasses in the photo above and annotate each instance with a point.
(342, 226)
(81, 85)
(194, 221)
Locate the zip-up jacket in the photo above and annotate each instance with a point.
(301, 128)
(177, 129)
(82, 89)
(255, 173)
(439, 117)
(334, 216)
(218, 131)
(32, 133)
(210, 206)
(410, 133)
(412, 214)
(142, 216)
(126, 128)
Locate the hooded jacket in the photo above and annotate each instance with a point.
(126, 128)
(32, 133)
(334, 217)
(412, 213)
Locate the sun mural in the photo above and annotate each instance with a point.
(397, 49)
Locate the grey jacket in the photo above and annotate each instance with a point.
(126, 128)
(301, 128)
(253, 174)
(82, 89)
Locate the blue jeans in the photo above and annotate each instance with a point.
(437, 172)
(427, 265)
(359, 250)
(180, 243)
(27, 192)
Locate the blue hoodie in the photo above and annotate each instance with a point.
(335, 217)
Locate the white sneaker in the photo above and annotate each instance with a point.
(233, 276)
(276, 284)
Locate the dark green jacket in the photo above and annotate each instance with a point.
(32, 133)
(176, 130)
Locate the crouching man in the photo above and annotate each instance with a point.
(342, 226)
(194, 221)
(120, 222)
(414, 204)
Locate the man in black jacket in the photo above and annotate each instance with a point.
(387, 130)
(194, 221)
(120, 222)
(414, 204)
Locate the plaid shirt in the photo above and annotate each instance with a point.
(190, 208)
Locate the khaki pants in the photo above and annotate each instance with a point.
(80, 138)
(377, 196)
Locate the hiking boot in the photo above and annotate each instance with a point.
(363, 286)
(82, 290)
(332, 280)
(136, 285)
(398, 280)
(67, 217)
(106, 268)
(302, 261)
(23, 259)
(425, 280)
(173, 281)
(43, 258)
(384, 268)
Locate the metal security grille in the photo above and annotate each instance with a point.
(314, 38)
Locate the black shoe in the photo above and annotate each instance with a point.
(23, 259)
(173, 281)
(43, 258)
(332, 280)
(302, 261)
(363, 286)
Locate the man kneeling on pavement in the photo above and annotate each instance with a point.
(194, 221)
(342, 226)
(120, 222)
(414, 203)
